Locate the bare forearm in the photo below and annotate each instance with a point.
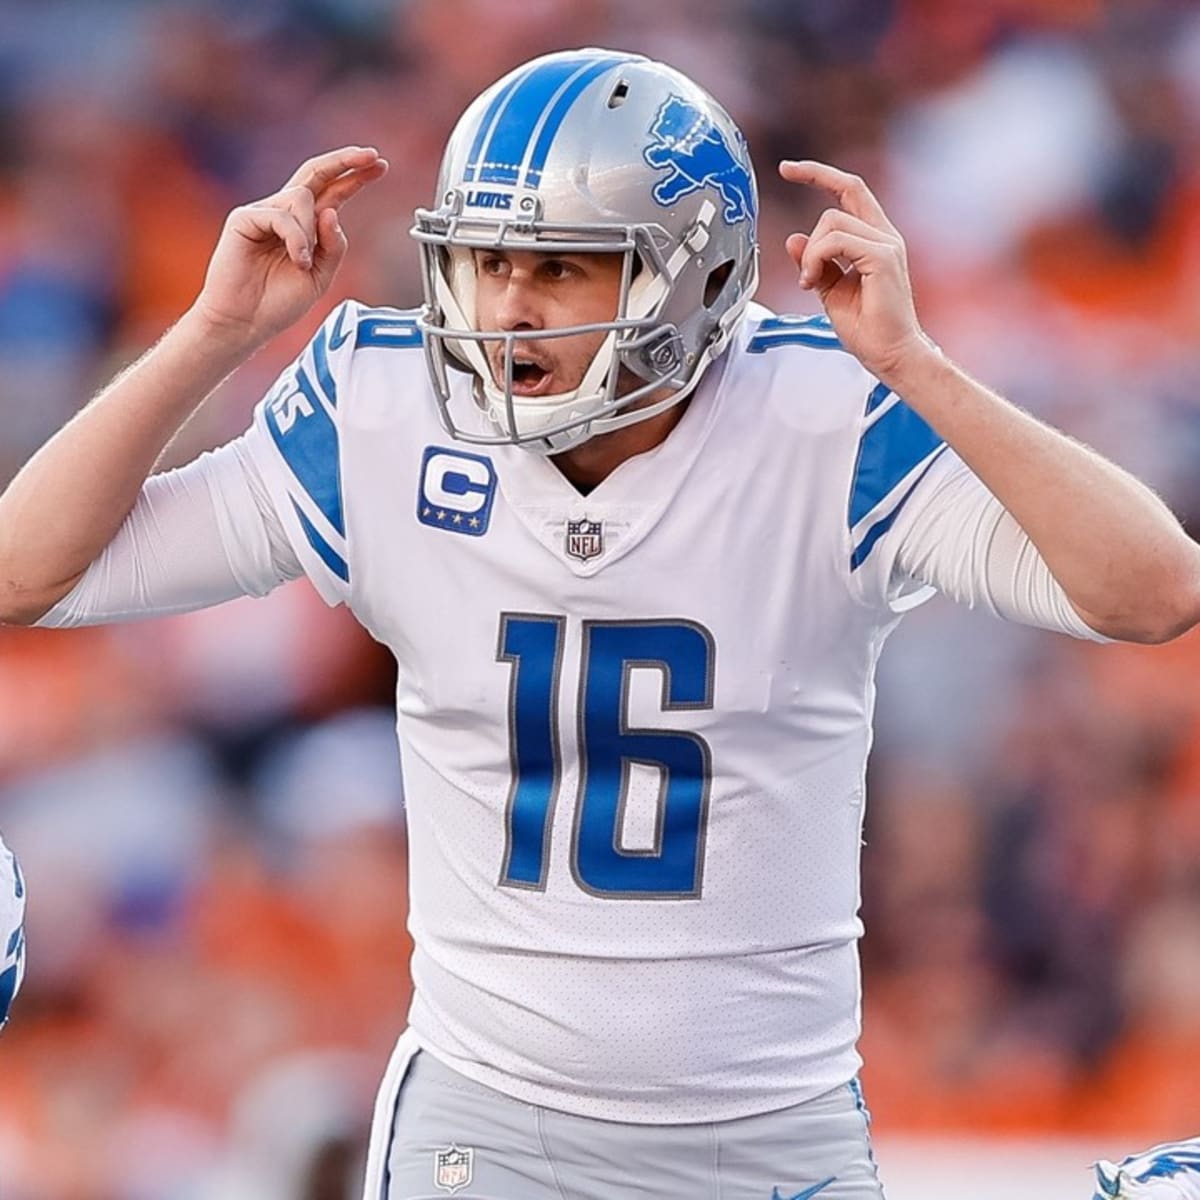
(1121, 557)
(70, 499)
(274, 259)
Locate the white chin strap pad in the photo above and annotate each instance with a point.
(544, 412)
(456, 298)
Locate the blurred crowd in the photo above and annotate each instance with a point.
(209, 808)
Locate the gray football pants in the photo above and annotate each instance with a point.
(437, 1134)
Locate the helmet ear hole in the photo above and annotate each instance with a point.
(718, 277)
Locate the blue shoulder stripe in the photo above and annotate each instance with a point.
(309, 446)
(864, 548)
(877, 397)
(815, 332)
(325, 551)
(895, 444)
(815, 321)
(399, 332)
(8, 991)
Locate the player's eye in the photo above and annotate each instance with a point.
(557, 268)
(491, 264)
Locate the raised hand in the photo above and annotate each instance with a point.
(870, 301)
(277, 256)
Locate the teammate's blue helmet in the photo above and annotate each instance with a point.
(592, 151)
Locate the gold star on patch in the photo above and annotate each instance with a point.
(474, 522)
(441, 514)
(458, 518)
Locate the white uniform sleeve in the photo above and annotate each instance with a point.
(197, 536)
(955, 536)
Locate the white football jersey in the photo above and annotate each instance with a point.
(634, 724)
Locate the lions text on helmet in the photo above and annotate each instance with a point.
(576, 156)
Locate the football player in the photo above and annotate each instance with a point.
(12, 930)
(1167, 1172)
(636, 544)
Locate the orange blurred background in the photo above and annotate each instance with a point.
(208, 808)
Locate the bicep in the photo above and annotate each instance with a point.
(197, 536)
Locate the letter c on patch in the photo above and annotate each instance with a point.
(462, 484)
(456, 491)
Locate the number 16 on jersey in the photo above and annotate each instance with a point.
(684, 654)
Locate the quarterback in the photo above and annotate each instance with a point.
(636, 544)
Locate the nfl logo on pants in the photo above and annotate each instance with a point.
(453, 1169)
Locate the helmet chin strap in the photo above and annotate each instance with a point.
(542, 412)
(448, 291)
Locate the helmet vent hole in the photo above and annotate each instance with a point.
(618, 94)
(717, 278)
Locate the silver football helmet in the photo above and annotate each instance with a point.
(591, 151)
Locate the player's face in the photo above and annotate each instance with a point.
(523, 290)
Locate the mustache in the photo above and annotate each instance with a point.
(524, 354)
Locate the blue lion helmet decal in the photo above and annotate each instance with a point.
(696, 153)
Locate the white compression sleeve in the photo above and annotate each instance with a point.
(967, 546)
(197, 536)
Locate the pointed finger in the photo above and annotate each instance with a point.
(850, 191)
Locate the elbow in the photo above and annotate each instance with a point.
(22, 606)
(14, 613)
(1161, 613)
(1164, 629)
(1177, 614)
(1177, 602)
(26, 617)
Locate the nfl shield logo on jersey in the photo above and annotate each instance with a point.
(585, 539)
(453, 1170)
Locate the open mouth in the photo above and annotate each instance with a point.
(529, 378)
